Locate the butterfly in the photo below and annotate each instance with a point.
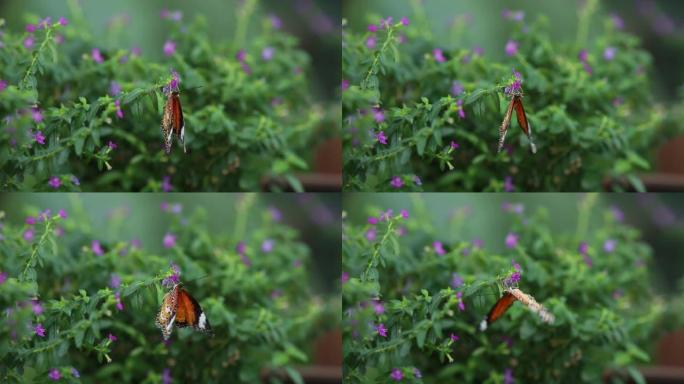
(516, 103)
(181, 309)
(172, 121)
(510, 296)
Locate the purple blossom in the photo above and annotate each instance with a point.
(28, 234)
(372, 220)
(276, 214)
(583, 56)
(166, 184)
(456, 88)
(478, 51)
(30, 220)
(396, 374)
(371, 42)
(378, 115)
(378, 307)
(75, 373)
(62, 213)
(387, 215)
(508, 184)
(381, 330)
(36, 307)
(54, 374)
(267, 53)
(404, 214)
(371, 234)
(96, 247)
(405, 21)
(508, 14)
(39, 330)
(417, 180)
(381, 138)
(28, 42)
(461, 305)
(3, 85)
(112, 145)
(169, 240)
(111, 337)
(511, 240)
(345, 277)
(166, 376)
(454, 337)
(345, 84)
(30, 28)
(115, 281)
(609, 245)
(372, 28)
(511, 47)
(516, 266)
(456, 280)
(609, 53)
(459, 108)
(55, 182)
(397, 182)
(438, 55)
(96, 55)
(508, 376)
(478, 243)
(169, 48)
(583, 248)
(618, 23)
(386, 23)
(439, 248)
(75, 181)
(174, 278)
(416, 373)
(267, 245)
(114, 88)
(63, 21)
(3, 277)
(136, 51)
(276, 22)
(37, 115)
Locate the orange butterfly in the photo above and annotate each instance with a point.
(516, 102)
(172, 121)
(511, 295)
(181, 309)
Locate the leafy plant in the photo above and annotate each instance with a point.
(420, 116)
(413, 303)
(78, 306)
(83, 115)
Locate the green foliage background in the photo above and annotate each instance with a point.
(265, 315)
(607, 314)
(241, 129)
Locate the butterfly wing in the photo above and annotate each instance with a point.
(167, 125)
(190, 314)
(498, 310)
(504, 124)
(167, 313)
(178, 121)
(523, 122)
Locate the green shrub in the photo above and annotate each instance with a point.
(413, 303)
(421, 116)
(81, 114)
(252, 284)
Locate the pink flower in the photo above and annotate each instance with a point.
(63, 21)
(267, 53)
(371, 234)
(28, 42)
(166, 184)
(461, 305)
(36, 115)
(345, 84)
(378, 308)
(28, 235)
(345, 277)
(508, 184)
(397, 182)
(39, 138)
(111, 337)
(62, 213)
(3, 277)
(169, 48)
(55, 182)
(454, 145)
(30, 28)
(404, 21)
(378, 115)
(370, 42)
(609, 245)
(609, 53)
(454, 337)
(438, 55)
(39, 330)
(96, 247)
(36, 307)
(54, 374)
(396, 374)
(114, 88)
(112, 145)
(381, 138)
(3, 85)
(511, 240)
(115, 281)
(511, 47)
(96, 55)
(381, 330)
(439, 248)
(169, 240)
(404, 214)
(267, 245)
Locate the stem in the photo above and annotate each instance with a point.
(241, 216)
(48, 224)
(376, 252)
(31, 69)
(376, 58)
(584, 21)
(585, 208)
(243, 15)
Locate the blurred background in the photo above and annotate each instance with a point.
(659, 217)
(659, 24)
(141, 216)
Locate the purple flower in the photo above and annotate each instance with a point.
(166, 376)
(276, 215)
(456, 88)
(114, 88)
(28, 42)
(28, 235)
(166, 184)
(371, 234)
(169, 240)
(404, 214)
(416, 373)
(30, 28)
(3, 85)
(276, 22)
(267, 245)
(508, 14)
(511, 240)
(370, 42)
(454, 337)
(75, 373)
(456, 280)
(583, 248)
(37, 115)
(112, 145)
(461, 305)
(54, 374)
(618, 23)
(372, 28)
(345, 84)
(381, 330)
(396, 374)
(511, 47)
(115, 281)
(405, 21)
(36, 307)
(96, 247)
(62, 213)
(438, 55)
(508, 184)
(583, 56)
(3, 277)
(378, 308)
(378, 115)
(386, 23)
(417, 180)
(609, 53)
(63, 21)
(618, 215)
(39, 138)
(267, 53)
(439, 249)
(55, 182)
(96, 55)
(459, 108)
(609, 245)
(75, 181)
(169, 48)
(111, 337)
(174, 278)
(508, 376)
(345, 277)
(240, 248)
(512, 279)
(39, 330)
(372, 220)
(136, 51)
(381, 138)
(30, 220)
(397, 182)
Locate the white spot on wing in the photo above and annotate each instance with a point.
(170, 325)
(483, 325)
(202, 321)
